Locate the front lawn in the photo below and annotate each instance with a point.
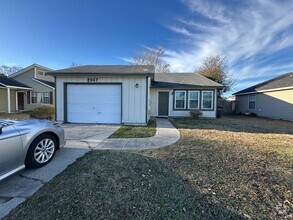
(228, 168)
(21, 115)
(128, 131)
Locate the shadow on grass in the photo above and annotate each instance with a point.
(119, 185)
(237, 124)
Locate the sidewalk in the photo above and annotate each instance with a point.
(166, 134)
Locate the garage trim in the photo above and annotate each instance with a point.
(80, 83)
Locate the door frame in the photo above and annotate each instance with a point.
(65, 112)
(16, 101)
(166, 91)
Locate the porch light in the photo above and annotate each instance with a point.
(136, 85)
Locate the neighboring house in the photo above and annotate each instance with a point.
(37, 89)
(11, 98)
(130, 94)
(272, 98)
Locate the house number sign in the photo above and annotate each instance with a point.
(92, 80)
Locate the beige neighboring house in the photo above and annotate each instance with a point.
(26, 89)
(272, 98)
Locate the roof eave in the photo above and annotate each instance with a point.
(99, 74)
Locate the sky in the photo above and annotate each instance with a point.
(256, 36)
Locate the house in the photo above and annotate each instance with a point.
(272, 98)
(130, 94)
(11, 98)
(27, 89)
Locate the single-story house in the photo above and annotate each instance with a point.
(27, 89)
(11, 98)
(130, 94)
(272, 98)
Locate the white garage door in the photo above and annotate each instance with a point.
(94, 103)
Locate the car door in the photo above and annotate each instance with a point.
(10, 149)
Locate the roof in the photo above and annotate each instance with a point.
(280, 82)
(45, 82)
(29, 68)
(7, 82)
(106, 69)
(172, 80)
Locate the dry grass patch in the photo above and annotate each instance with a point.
(235, 166)
(21, 115)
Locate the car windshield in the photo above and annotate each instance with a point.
(4, 123)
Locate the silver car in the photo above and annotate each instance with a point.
(29, 143)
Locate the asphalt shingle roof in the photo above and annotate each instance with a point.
(175, 80)
(284, 80)
(52, 84)
(107, 69)
(11, 82)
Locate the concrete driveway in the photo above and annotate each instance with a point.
(79, 137)
(86, 136)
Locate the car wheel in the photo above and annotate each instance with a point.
(41, 151)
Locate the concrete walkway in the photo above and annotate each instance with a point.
(166, 134)
(18, 187)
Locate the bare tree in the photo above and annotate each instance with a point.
(74, 64)
(8, 70)
(151, 56)
(215, 68)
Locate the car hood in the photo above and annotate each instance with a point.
(25, 126)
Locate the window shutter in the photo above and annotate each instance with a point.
(51, 97)
(28, 96)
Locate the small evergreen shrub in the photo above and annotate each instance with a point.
(44, 112)
(195, 114)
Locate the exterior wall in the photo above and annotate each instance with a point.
(178, 113)
(133, 99)
(275, 104)
(3, 100)
(12, 100)
(26, 78)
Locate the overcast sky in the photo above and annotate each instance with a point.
(255, 35)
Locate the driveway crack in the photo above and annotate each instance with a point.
(31, 178)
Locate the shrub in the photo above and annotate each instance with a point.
(195, 113)
(44, 112)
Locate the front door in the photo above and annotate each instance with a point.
(20, 101)
(163, 109)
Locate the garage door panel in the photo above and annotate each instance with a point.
(94, 103)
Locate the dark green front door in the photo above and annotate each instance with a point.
(163, 104)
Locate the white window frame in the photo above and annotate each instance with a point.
(34, 97)
(198, 94)
(179, 99)
(212, 104)
(251, 101)
(45, 93)
(40, 73)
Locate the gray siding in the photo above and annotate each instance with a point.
(26, 78)
(275, 104)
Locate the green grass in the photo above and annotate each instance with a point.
(127, 131)
(229, 168)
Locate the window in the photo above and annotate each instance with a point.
(41, 73)
(34, 97)
(251, 102)
(193, 99)
(180, 97)
(207, 100)
(46, 97)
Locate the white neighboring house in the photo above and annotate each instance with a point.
(34, 89)
(130, 94)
